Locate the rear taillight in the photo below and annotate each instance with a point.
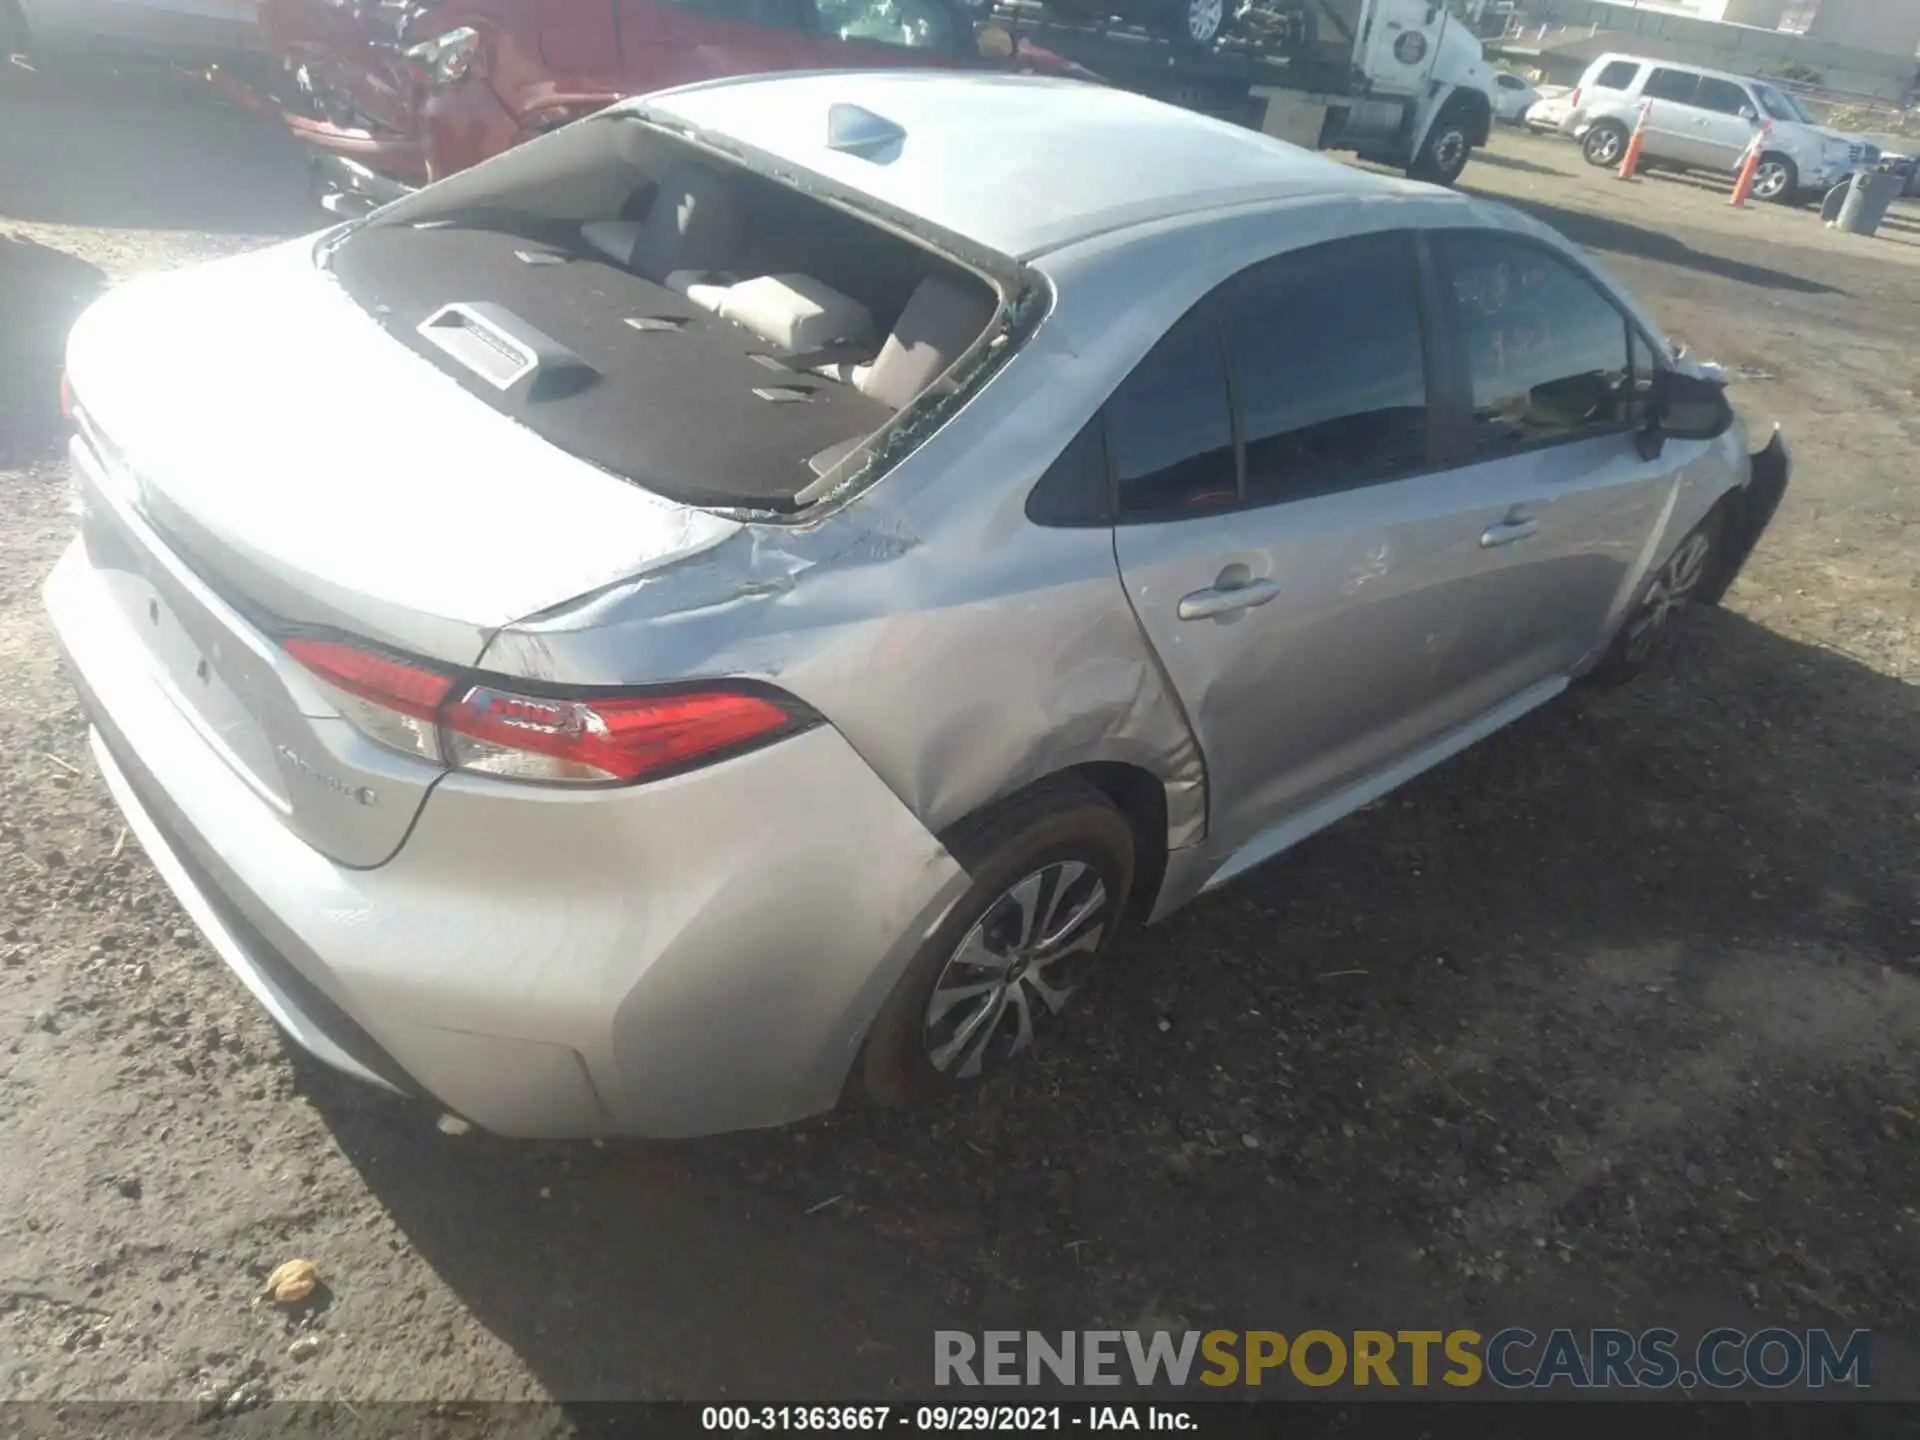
(588, 738)
(390, 700)
(1573, 100)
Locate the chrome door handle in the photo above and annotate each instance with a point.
(1507, 532)
(1224, 600)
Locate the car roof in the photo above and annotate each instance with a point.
(1019, 164)
(1686, 65)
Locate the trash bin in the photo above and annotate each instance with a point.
(1868, 199)
(1835, 199)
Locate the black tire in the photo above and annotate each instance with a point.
(1635, 648)
(1445, 152)
(1060, 824)
(1605, 144)
(1789, 191)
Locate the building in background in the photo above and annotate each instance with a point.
(1891, 27)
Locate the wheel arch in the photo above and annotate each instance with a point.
(1135, 791)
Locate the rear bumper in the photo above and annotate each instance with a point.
(696, 955)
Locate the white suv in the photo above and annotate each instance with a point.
(1707, 119)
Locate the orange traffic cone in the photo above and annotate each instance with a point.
(1630, 162)
(1749, 167)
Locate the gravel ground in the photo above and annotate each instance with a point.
(1611, 1021)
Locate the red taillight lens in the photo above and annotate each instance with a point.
(393, 683)
(560, 739)
(534, 737)
(387, 699)
(1573, 100)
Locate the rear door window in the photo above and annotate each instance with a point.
(1618, 75)
(1170, 425)
(1722, 96)
(1678, 86)
(1328, 360)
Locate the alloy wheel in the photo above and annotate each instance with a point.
(1770, 180)
(1031, 949)
(1605, 147)
(1203, 20)
(1672, 588)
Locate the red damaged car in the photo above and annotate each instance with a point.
(393, 95)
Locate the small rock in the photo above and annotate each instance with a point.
(304, 1348)
(292, 1282)
(249, 1395)
(453, 1125)
(127, 1185)
(1163, 1024)
(1252, 1142)
(183, 934)
(43, 1020)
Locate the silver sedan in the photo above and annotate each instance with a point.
(736, 602)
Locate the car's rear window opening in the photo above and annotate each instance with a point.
(716, 336)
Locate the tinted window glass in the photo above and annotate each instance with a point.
(1328, 367)
(1618, 76)
(1679, 86)
(1509, 82)
(772, 14)
(1721, 95)
(1546, 351)
(910, 24)
(1074, 490)
(1780, 105)
(1169, 431)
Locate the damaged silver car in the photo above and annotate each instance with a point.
(735, 602)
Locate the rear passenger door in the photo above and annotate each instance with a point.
(1671, 131)
(1556, 375)
(1315, 591)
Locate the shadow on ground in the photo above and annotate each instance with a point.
(1614, 1009)
(42, 292)
(1605, 233)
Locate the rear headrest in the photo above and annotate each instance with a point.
(940, 321)
(690, 225)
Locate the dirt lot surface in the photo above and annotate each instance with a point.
(1610, 1021)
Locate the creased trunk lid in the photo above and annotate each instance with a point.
(261, 455)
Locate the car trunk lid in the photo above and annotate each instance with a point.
(269, 461)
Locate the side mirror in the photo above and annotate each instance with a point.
(1684, 407)
(1749, 114)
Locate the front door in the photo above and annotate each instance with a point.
(1401, 40)
(1557, 375)
(1315, 591)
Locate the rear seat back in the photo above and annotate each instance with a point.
(693, 224)
(797, 313)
